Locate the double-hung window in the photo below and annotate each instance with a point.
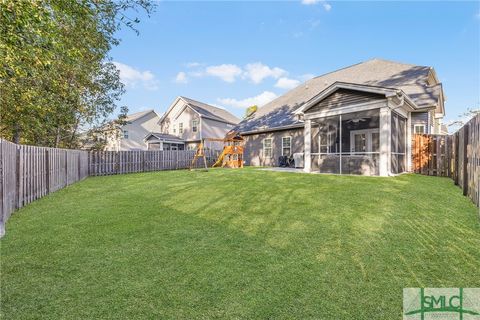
(125, 134)
(286, 146)
(419, 128)
(180, 128)
(267, 148)
(194, 125)
(174, 129)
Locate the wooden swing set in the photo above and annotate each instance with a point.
(230, 157)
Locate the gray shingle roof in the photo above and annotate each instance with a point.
(211, 112)
(164, 136)
(137, 115)
(376, 72)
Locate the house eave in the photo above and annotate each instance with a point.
(273, 129)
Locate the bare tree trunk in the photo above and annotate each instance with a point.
(74, 132)
(57, 138)
(16, 134)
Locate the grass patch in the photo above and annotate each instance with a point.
(237, 244)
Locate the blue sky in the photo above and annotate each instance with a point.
(234, 54)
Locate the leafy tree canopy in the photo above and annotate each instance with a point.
(56, 75)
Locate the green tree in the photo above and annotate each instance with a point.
(250, 110)
(57, 78)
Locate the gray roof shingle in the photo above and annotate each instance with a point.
(211, 112)
(137, 115)
(376, 72)
(164, 136)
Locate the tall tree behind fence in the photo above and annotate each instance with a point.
(456, 156)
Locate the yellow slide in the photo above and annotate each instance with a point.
(220, 158)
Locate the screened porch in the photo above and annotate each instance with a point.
(363, 143)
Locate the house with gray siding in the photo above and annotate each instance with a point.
(355, 120)
(186, 122)
(130, 135)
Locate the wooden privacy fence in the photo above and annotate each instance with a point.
(113, 162)
(28, 173)
(456, 156)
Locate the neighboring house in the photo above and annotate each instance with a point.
(131, 135)
(356, 120)
(186, 122)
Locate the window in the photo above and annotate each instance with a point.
(125, 134)
(194, 125)
(419, 128)
(180, 128)
(286, 146)
(327, 139)
(174, 129)
(363, 141)
(267, 147)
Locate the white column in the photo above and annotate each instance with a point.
(408, 129)
(385, 141)
(307, 146)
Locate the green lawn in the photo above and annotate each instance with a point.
(233, 244)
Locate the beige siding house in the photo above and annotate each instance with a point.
(186, 122)
(356, 120)
(131, 135)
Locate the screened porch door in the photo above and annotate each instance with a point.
(364, 141)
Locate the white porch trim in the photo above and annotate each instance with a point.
(385, 142)
(308, 145)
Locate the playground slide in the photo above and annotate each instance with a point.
(220, 158)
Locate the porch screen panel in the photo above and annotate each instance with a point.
(398, 148)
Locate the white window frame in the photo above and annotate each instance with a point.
(368, 137)
(415, 126)
(125, 134)
(331, 137)
(271, 148)
(290, 147)
(180, 128)
(174, 128)
(195, 125)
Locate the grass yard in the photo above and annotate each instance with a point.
(233, 244)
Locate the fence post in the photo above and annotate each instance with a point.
(88, 162)
(17, 177)
(117, 162)
(47, 171)
(79, 167)
(66, 168)
(465, 160)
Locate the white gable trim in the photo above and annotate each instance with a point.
(183, 109)
(174, 103)
(387, 92)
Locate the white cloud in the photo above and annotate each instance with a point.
(226, 72)
(181, 77)
(259, 100)
(132, 77)
(324, 3)
(193, 64)
(286, 83)
(258, 71)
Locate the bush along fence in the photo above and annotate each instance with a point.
(456, 156)
(28, 173)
